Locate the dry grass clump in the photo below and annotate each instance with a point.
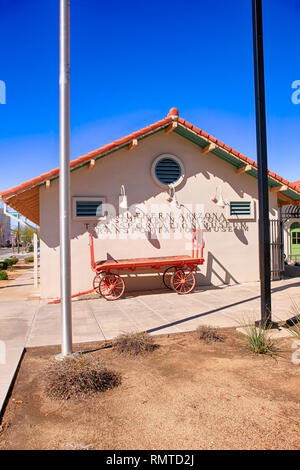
(209, 334)
(77, 376)
(134, 344)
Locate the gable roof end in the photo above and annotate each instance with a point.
(25, 197)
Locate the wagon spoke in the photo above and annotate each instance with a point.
(167, 275)
(183, 282)
(112, 286)
(177, 284)
(97, 280)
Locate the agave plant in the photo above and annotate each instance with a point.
(293, 324)
(259, 339)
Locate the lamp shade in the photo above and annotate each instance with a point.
(123, 199)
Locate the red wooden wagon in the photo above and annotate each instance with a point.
(178, 273)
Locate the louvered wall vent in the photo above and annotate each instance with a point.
(168, 170)
(241, 208)
(88, 208)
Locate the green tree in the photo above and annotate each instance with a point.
(26, 235)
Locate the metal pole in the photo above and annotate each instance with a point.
(35, 256)
(262, 161)
(64, 177)
(281, 244)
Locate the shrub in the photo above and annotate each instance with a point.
(30, 249)
(3, 265)
(3, 276)
(29, 259)
(77, 376)
(208, 334)
(8, 261)
(11, 261)
(134, 343)
(259, 340)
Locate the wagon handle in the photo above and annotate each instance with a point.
(92, 253)
(195, 243)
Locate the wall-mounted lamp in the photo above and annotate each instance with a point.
(123, 199)
(218, 199)
(172, 198)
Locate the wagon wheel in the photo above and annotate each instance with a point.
(111, 286)
(168, 273)
(183, 282)
(97, 279)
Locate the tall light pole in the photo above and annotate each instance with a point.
(262, 162)
(64, 178)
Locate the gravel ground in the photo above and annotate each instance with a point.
(184, 395)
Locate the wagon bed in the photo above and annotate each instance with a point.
(153, 262)
(178, 273)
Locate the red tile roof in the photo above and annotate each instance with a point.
(233, 152)
(85, 158)
(173, 115)
(297, 183)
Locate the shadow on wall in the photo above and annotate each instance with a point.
(79, 228)
(215, 268)
(240, 234)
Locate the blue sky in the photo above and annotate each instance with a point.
(131, 61)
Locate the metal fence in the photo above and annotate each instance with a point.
(277, 249)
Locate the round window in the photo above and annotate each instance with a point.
(167, 170)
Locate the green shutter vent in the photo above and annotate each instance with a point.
(167, 170)
(241, 208)
(87, 209)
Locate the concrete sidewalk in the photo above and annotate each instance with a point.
(162, 312)
(20, 289)
(16, 317)
(15, 324)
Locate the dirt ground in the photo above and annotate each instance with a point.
(184, 395)
(14, 273)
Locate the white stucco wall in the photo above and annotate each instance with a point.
(231, 253)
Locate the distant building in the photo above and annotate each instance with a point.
(4, 227)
